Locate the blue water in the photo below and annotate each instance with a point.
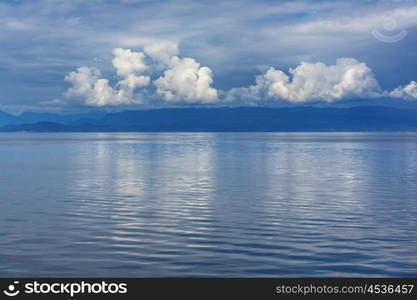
(208, 204)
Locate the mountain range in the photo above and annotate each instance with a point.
(360, 118)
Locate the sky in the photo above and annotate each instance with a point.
(65, 56)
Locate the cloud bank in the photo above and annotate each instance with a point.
(348, 78)
(179, 80)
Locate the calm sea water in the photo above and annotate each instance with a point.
(208, 204)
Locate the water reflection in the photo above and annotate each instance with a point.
(209, 204)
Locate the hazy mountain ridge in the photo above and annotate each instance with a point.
(361, 118)
(35, 117)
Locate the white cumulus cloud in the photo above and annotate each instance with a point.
(93, 90)
(177, 80)
(129, 65)
(186, 81)
(408, 92)
(313, 82)
(161, 51)
(88, 85)
(183, 80)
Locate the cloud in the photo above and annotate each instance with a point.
(408, 92)
(347, 78)
(129, 65)
(183, 79)
(232, 38)
(162, 51)
(186, 81)
(52, 103)
(92, 90)
(88, 85)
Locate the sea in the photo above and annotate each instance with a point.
(208, 204)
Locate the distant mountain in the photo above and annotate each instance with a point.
(38, 127)
(6, 118)
(362, 118)
(33, 117)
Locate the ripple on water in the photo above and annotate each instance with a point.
(208, 204)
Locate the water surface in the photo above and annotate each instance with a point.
(208, 204)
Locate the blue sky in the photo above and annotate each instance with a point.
(61, 55)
